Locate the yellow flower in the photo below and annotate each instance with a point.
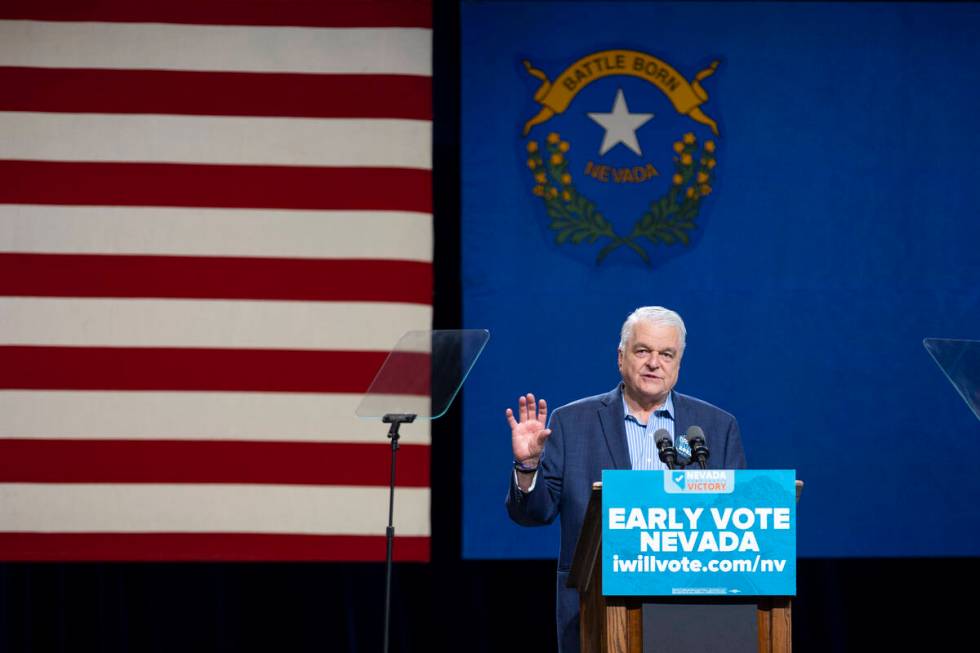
(702, 177)
(689, 138)
(705, 189)
(556, 159)
(553, 138)
(678, 147)
(678, 180)
(686, 159)
(690, 192)
(539, 191)
(540, 178)
(532, 164)
(566, 196)
(709, 146)
(711, 164)
(552, 192)
(563, 146)
(532, 146)
(566, 179)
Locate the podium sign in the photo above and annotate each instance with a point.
(699, 533)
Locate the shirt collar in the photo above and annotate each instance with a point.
(667, 410)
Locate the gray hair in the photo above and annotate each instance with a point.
(652, 315)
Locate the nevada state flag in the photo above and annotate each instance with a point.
(798, 180)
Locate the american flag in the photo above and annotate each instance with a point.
(215, 220)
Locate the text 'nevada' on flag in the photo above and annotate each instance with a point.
(215, 222)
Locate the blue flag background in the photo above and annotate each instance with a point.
(838, 228)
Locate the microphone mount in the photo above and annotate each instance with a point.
(699, 449)
(668, 455)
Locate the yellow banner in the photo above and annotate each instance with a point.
(555, 96)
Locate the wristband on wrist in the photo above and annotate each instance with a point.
(519, 466)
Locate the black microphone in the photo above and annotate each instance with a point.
(699, 450)
(666, 448)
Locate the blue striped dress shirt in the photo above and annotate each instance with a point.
(639, 437)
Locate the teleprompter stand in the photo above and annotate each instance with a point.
(419, 379)
(396, 420)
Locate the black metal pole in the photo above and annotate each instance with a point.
(396, 420)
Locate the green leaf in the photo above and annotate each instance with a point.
(639, 250)
(604, 252)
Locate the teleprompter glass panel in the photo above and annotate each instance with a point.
(423, 373)
(960, 362)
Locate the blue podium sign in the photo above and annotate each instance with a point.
(699, 533)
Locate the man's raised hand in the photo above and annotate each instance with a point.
(529, 434)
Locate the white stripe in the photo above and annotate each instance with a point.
(396, 50)
(216, 232)
(272, 416)
(151, 508)
(360, 326)
(216, 140)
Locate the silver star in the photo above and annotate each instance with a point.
(620, 125)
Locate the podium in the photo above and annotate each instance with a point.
(611, 624)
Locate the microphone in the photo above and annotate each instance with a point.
(683, 449)
(699, 449)
(666, 448)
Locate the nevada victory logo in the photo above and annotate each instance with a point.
(622, 154)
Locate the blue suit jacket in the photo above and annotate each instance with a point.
(588, 436)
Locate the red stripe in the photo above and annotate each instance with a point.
(216, 94)
(206, 546)
(307, 13)
(402, 375)
(207, 461)
(232, 186)
(248, 370)
(82, 275)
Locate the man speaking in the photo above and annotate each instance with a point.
(556, 463)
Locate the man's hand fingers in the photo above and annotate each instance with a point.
(542, 436)
(510, 419)
(528, 409)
